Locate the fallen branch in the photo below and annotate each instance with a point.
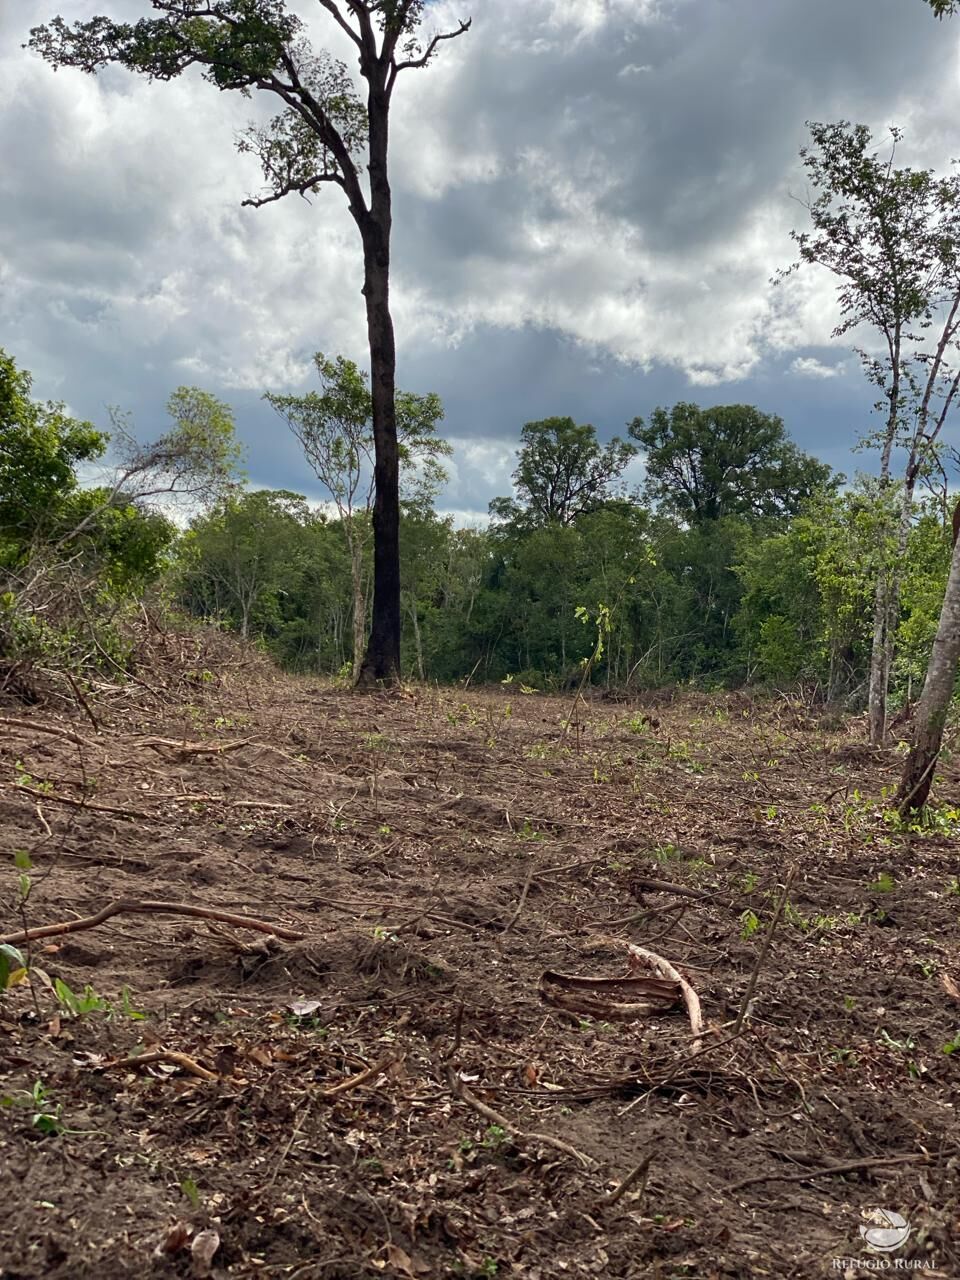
(521, 1135)
(195, 748)
(849, 1166)
(8, 722)
(84, 804)
(664, 969)
(354, 1082)
(130, 906)
(170, 1056)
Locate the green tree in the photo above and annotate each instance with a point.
(235, 558)
(326, 133)
(731, 460)
(562, 473)
(335, 430)
(40, 448)
(891, 236)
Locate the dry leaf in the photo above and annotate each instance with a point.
(399, 1258)
(205, 1245)
(174, 1239)
(949, 986)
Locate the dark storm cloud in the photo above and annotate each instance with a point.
(591, 196)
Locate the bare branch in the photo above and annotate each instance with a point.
(333, 9)
(301, 188)
(429, 51)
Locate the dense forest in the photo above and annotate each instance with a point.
(741, 560)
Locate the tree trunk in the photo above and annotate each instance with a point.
(417, 638)
(382, 659)
(938, 688)
(359, 613)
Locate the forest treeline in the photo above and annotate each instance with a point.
(740, 559)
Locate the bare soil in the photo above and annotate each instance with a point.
(392, 1094)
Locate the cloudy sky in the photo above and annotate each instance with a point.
(591, 198)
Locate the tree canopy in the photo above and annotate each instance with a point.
(730, 460)
(562, 473)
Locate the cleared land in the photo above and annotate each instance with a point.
(399, 1092)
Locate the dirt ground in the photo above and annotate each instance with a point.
(399, 1091)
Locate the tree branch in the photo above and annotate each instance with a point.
(422, 61)
(301, 188)
(332, 8)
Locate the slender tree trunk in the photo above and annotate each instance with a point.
(359, 617)
(417, 639)
(382, 659)
(938, 688)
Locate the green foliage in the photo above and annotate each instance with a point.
(731, 460)
(13, 966)
(562, 473)
(46, 1116)
(40, 447)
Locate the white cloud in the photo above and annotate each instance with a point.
(810, 367)
(619, 173)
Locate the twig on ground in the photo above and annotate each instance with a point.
(677, 1071)
(171, 1056)
(194, 748)
(130, 906)
(82, 804)
(636, 1173)
(43, 822)
(354, 1082)
(35, 726)
(520, 905)
(752, 984)
(522, 1135)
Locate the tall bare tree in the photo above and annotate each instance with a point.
(326, 133)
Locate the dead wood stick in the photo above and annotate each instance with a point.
(78, 694)
(752, 984)
(35, 727)
(635, 917)
(667, 886)
(636, 1173)
(677, 1071)
(848, 1166)
(354, 1082)
(132, 906)
(83, 804)
(664, 969)
(523, 898)
(171, 1056)
(494, 1117)
(195, 748)
(43, 822)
